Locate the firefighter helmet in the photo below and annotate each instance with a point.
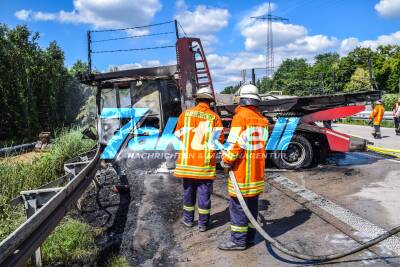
(249, 91)
(204, 93)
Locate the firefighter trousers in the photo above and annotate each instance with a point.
(200, 189)
(242, 231)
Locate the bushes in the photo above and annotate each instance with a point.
(389, 100)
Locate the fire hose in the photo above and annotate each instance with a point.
(385, 151)
(281, 247)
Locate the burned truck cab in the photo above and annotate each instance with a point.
(164, 91)
(155, 89)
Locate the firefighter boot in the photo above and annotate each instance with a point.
(229, 245)
(187, 224)
(203, 228)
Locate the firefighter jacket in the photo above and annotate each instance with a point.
(377, 114)
(396, 110)
(246, 152)
(196, 129)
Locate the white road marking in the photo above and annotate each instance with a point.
(366, 230)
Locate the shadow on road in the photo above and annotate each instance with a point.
(220, 218)
(115, 232)
(354, 158)
(278, 227)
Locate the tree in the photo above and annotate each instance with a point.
(37, 91)
(323, 72)
(292, 77)
(265, 84)
(359, 81)
(230, 89)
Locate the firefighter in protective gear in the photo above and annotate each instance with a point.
(246, 156)
(396, 116)
(197, 128)
(377, 116)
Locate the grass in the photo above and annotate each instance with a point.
(385, 123)
(71, 242)
(10, 218)
(118, 261)
(17, 176)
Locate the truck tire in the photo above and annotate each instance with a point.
(299, 154)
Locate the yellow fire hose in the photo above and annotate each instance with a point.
(281, 247)
(385, 151)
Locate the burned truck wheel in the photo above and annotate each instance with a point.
(299, 154)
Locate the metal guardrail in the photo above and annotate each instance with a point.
(24, 241)
(14, 149)
(365, 114)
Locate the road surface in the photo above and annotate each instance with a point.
(389, 137)
(318, 211)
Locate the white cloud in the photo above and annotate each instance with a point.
(136, 65)
(203, 21)
(255, 12)
(225, 69)
(100, 13)
(349, 44)
(290, 40)
(255, 34)
(388, 8)
(180, 5)
(23, 14)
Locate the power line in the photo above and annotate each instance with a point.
(132, 28)
(132, 36)
(270, 43)
(132, 49)
(182, 29)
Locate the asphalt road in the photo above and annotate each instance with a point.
(323, 210)
(389, 137)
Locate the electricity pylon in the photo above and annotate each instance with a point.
(270, 40)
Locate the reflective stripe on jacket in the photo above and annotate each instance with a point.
(246, 151)
(195, 128)
(377, 114)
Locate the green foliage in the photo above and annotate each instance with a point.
(264, 85)
(348, 120)
(118, 261)
(331, 73)
(359, 81)
(16, 176)
(10, 217)
(389, 100)
(293, 77)
(230, 89)
(87, 114)
(37, 92)
(71, 242)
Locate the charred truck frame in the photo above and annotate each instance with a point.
(167, 90)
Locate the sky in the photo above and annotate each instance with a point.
(232, 40)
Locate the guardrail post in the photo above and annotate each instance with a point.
(33, 201)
